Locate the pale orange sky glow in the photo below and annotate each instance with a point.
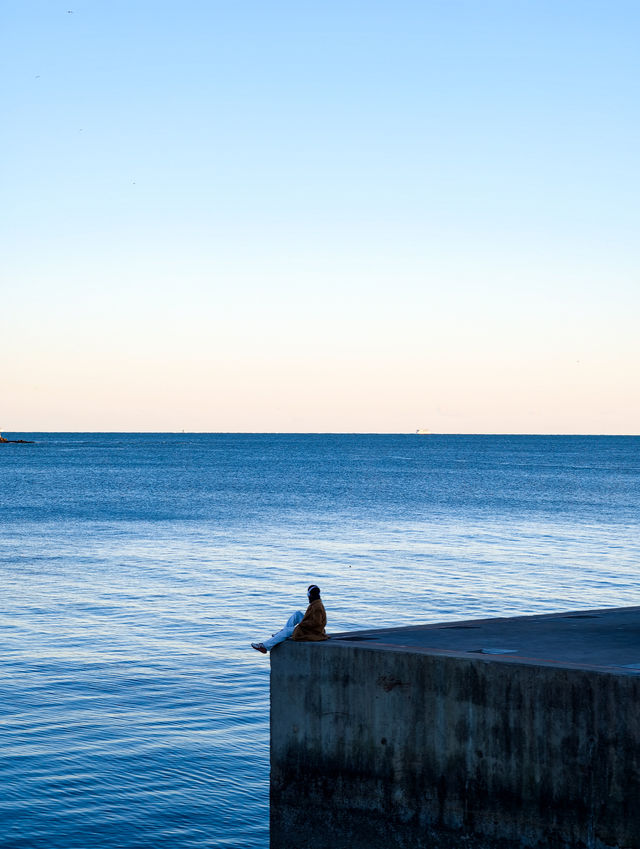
(353, 218)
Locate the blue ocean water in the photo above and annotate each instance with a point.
(136, 569)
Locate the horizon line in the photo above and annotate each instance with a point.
(319, 433)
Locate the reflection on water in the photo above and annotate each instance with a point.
(136, 570)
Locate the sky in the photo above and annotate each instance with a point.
(346, 216)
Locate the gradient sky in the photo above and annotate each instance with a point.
(371, 216)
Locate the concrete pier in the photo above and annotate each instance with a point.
(485, 734)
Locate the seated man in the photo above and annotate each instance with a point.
(308, 627)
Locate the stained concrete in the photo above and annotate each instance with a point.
(426, 737)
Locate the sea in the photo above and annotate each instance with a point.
(137, 569)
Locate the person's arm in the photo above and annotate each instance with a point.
(304, 623)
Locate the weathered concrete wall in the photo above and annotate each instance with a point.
(391, 749)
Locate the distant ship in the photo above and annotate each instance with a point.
(422, 432)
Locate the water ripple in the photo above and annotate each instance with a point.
(136, 570)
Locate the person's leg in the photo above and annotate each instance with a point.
(285, 633)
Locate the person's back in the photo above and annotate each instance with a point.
(314, 620)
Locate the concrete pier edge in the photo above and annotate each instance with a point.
(486, 734)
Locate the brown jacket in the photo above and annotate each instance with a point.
(313, 622)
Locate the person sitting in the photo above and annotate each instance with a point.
(308, 626)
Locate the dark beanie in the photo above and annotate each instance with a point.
(313, 592)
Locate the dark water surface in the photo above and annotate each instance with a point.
(136, 570)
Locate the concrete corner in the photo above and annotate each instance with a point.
(427, 737)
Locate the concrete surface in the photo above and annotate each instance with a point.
(607, 639)
(424, 737)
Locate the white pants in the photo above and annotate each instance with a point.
(286, 632)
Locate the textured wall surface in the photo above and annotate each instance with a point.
(392, 749)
